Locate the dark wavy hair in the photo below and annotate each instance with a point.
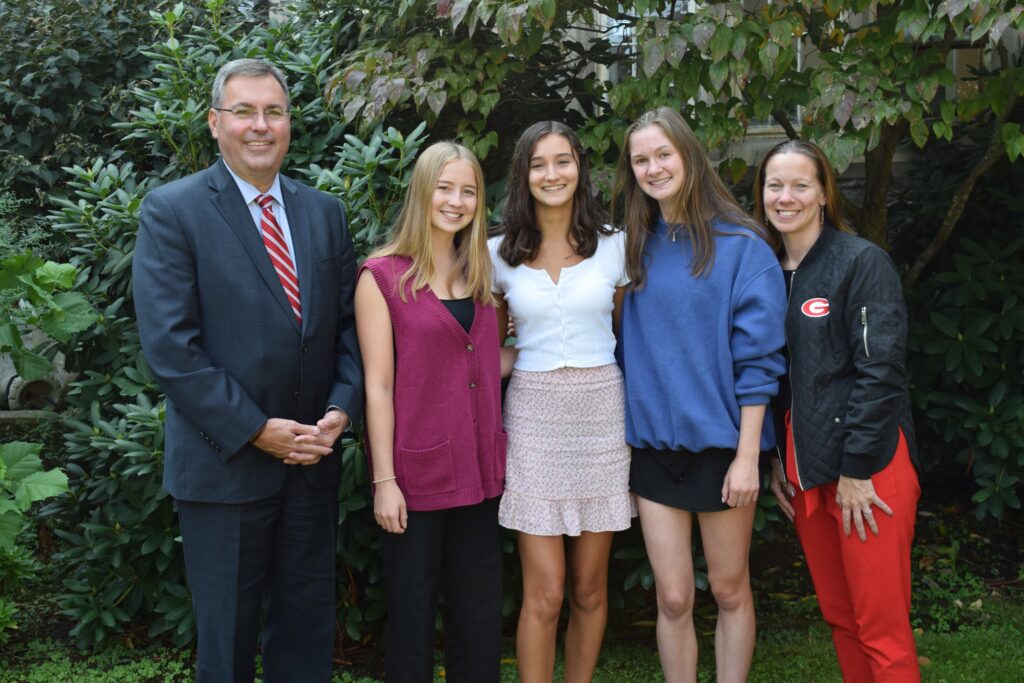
(702, 199)
(826, 177)
(519, 219)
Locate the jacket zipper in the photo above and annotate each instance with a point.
(864, 322)
(792, 416)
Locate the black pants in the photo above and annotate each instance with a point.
(281, 548)
(456, 551)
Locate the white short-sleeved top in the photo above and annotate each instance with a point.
(568, 324)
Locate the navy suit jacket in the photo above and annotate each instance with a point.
(222, 341)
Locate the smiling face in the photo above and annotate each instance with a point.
(657, 166)
(793, 195)
(453, 203)
(554, 171)
(253, 149)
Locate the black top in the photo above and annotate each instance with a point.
(846, 332)
(783, 400)
(462, 310)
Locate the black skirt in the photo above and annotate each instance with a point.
(681, 479)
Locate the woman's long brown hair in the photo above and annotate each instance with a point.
(826, 177)
(703, 198)
(519, 219)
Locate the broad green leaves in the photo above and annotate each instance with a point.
(23, 482)
(34, 285)
(965, 355)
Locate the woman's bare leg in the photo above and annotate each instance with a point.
(725, 538)
(543, 560)
(667, 533)
(588, 603)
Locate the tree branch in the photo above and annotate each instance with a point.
(782, 119)
(959, 203)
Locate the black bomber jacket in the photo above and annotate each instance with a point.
(846, 336)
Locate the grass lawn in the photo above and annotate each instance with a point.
(988, 650)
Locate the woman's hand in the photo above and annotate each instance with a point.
(782, 489)
(855, 497)
(742, 481)
(389, 507)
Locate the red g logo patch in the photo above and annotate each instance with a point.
(815, 308)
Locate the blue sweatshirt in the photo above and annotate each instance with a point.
(695, 349)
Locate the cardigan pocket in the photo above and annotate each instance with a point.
(500, 449)
(426, 471)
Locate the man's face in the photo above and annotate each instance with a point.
(254, 148)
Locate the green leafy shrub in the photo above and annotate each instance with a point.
(64, 72)
(946, 593)
(17, 567)
(33, 295)
(371, 177)
(967, 365)
(8, 619)
(23, 481)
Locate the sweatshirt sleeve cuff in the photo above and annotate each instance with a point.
(753, 400)
(856, 466)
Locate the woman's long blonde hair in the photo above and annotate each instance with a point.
(410, 235)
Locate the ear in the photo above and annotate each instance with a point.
(211, 120)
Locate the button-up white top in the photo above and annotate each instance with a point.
(568, 324)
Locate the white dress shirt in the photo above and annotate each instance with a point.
(249, 194)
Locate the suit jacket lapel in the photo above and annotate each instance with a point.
(302, 241)
(228, 200)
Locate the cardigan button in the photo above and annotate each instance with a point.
(472, 385)
(469, 347)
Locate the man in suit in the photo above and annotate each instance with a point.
(243, 282)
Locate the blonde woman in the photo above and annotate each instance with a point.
(429, 338)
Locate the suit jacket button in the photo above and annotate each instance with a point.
(305, 348)
(295, 395)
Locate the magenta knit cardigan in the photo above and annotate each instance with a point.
(449, 445)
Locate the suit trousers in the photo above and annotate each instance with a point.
(457, 552)
(279, 550)
(863, 588)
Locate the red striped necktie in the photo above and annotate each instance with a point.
(273, 240)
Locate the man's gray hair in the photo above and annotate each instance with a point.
(247, 67)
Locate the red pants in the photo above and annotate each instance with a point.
(863, 588)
